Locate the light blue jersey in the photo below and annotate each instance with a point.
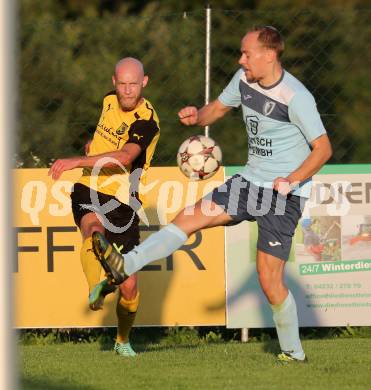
(281, 121)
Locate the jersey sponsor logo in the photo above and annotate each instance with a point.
(252, 124)
(121, 130)
(247, 96)
(268, 107)
(276, 243)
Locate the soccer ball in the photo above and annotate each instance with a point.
(199, 157)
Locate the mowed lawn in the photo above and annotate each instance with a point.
(333, 364)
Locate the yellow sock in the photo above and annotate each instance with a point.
(90, 264)
(126, 312)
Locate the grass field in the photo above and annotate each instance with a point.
(333, 364)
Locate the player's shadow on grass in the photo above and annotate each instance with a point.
(43, 384)
(166, 347)
(144, 339)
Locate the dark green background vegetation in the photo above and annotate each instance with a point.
(68, 48)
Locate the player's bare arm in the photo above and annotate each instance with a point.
(204, 116)
(320, 154)
(125, 156)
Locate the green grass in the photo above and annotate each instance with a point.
(336, 363)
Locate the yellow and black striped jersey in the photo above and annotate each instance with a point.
(116, 128)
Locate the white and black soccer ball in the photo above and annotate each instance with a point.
(199, 157)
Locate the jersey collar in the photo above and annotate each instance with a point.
(275, 84)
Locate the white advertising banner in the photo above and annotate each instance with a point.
(329, 268)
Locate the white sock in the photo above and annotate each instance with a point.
(286, 319)
(157, 246)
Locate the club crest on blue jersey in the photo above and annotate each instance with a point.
(268, 107)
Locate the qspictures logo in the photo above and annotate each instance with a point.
(337, 198)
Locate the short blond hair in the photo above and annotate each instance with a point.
(270, 38)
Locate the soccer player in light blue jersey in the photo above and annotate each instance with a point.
(287, 146)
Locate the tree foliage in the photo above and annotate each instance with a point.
(68, 49)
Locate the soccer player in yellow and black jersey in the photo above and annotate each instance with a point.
(106, 198)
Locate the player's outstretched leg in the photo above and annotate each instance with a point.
(111, 261)
(157, 246)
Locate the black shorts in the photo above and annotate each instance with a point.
(276, 215)
(121, 223)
